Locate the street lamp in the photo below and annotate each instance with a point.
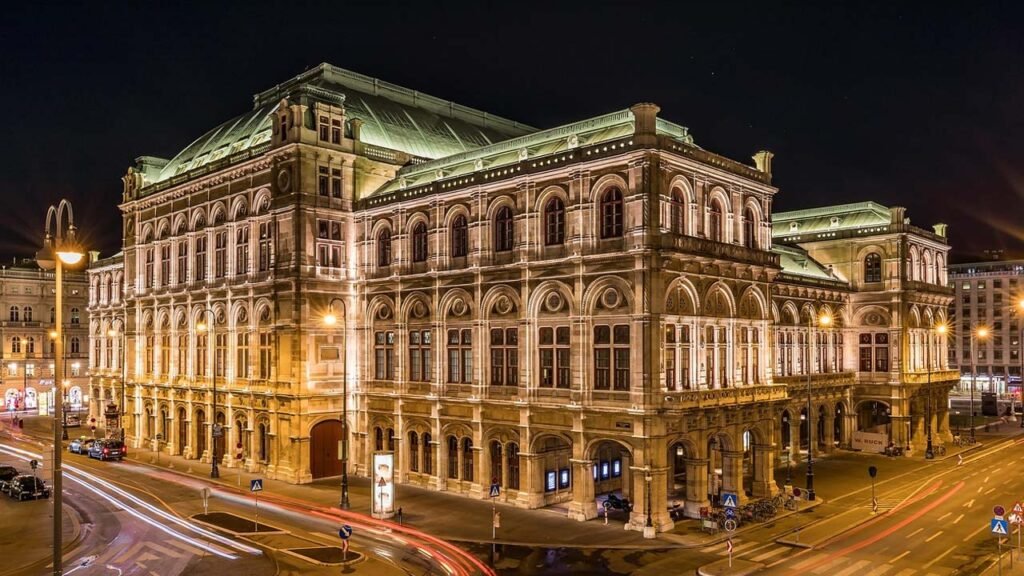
(331, 319)
(215, 431)
(825, 320)
(939, 329)
(59, 249)
(124, 377)
(649, 526)
(978, 333)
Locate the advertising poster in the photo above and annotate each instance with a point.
(383, 485)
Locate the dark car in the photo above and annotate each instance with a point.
(27, 487)
(6, 474)
(108, 450)
(81, 445)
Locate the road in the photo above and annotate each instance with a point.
(144, 521)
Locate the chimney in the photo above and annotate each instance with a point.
(940, 229)
(897, 214)
(357, 127)
(645, 119)
(763, 161)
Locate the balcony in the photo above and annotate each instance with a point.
(697, 399)
(922, 377)
(721, 250)
(799, 381)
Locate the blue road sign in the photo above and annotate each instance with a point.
(730, 512)
(999, 527)
(729, 500)
(256, 485)
(345, 532)
(495, 490)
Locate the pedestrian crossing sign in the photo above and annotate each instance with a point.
(729, 500)
(495, 490)
(999, 527)
(256, 485)
(1018, 509)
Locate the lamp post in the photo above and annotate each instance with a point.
(124, 377)
(63, 379)
(59, 249)
(824, 320)
(980, 332)
(649, 526)
(215, 432)
(941, 330)
(331, 319)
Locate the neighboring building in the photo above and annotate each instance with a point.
(27, 317)
(574, 311)
(988, 294)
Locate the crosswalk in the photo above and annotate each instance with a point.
(817, 563)
(167, 557)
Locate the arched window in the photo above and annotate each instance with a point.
(611, 214)
(496, 462)
(677, 212)
(414, 452)
(27, 313)
(453, 457)
(554, 222)
(384, 249)
(76, 345)
(460, 237)
(512, 455)
(749, 229)
(419, 242)
(467, 459)
(503, 230)
(873, 268)
(378, 436)
(15, 313)
(428, 454)
(16, 345)
(715, 227)
(264, 442)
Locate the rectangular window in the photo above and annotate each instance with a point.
(30, 369)
(881, 352)
(182, 362)
(182, 261)
(460, 356)
(323, 181)
(335, 131)
(220, 254)
(264, 247)
(554, 357)
(199, 269)
(165, 265)
(611, 357)
(335, 183)
(242, 355)
(150, 346)
(384, 355)
(149, 268)
(220, 355)
(265, 354)
(670, 356)
(504, 357)
(165, 354)
(419, 355)
(324, 128)
(242, 251)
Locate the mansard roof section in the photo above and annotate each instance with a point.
(392, 117)
(554, 145)
(797, 265)
(114, 260)
(830, 218)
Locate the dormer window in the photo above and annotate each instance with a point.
(834, 222)
(794, 227)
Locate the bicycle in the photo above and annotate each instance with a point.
(791, 503)
(940, 450)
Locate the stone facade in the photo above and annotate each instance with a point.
(600, 307)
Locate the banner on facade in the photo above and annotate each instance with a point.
(383, 485)
(870, 442)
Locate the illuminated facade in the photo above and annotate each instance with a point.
(27, 316)
(602, 306)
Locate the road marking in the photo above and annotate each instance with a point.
(768, 555)
(914, 533)
(811, 560)
(933, 536)
(958, 519)
(937, 558)
(975, 533)
(828, 566)
(980, 488)
(985, 481)
(897, 559)
(906, 572)
(854, 568)
(989, 491)
(968, 504)
(881, 570)
(944, 515)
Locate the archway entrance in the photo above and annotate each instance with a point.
(819, 432)
(749, 463)
(200, 434)
(677, 456)
(556, 479)
(611, 476)
(220, 441)
(182, 431)
(323, 449)
(874, 416)
(837, 426)
(804, 430)
(787, 435)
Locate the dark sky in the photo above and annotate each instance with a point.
(910, 103)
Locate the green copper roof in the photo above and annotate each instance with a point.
(829, 218)
(797, 262)
(588, 132)
(393, 117)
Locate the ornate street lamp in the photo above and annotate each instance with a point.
(939, 329)
(124, 378)
(60, 249)
(825, 320)
(331, 319)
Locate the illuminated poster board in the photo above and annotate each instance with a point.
(383, 485)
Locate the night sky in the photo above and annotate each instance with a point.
(905, 103)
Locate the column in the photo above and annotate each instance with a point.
(696, 487)
(732, 474)
(830, 432)
(764, 484)
(584, 504)
(531, 480)
(794, 437)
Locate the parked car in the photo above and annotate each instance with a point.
(7, 473)
(108, 450)
(81, 444)
(27, 486)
